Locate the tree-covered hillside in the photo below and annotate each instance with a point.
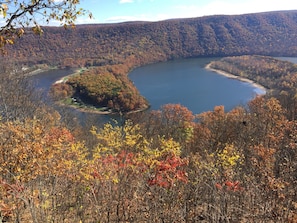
(272, 33)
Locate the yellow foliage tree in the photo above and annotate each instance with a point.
(35, 157)
(148, 154)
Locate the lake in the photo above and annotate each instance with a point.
(188, 83)
(184, 81)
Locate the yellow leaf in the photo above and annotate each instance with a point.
(3, 10)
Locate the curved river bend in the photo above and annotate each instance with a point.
(184, 81)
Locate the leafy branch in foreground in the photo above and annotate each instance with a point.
(18, 14)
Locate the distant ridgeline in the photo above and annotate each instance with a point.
(137, 43)
(118, 48)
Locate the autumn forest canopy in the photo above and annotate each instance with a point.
(168, 165)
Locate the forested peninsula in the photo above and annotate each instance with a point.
(274, 74)
(115, 49)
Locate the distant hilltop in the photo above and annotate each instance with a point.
(270, 33)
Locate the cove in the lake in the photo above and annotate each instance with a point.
(188, 83)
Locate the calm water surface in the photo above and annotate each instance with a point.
(187, 82)
(45, 79)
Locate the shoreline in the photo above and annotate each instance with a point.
(65, 78)
(93, 110)
(38, 70)
(232, 76)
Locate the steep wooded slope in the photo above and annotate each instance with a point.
(271, 33)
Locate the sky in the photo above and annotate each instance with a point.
(114, 11)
